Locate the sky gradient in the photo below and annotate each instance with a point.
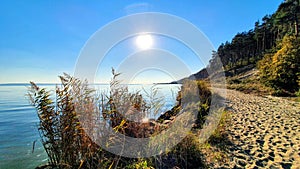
(42, 39)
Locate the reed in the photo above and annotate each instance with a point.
(69, 124)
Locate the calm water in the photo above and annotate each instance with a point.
(18, 124)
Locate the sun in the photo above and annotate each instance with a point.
(144, 41)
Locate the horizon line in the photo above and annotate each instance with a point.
(49, 83)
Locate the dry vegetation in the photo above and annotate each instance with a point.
(248, 82)
(69, 124)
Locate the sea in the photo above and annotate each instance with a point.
(20, 143)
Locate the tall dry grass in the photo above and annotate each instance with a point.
(72, 122)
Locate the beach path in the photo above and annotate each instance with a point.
(264, 132)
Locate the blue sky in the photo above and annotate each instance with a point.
(42, 39)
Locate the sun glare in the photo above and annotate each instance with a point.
(144, 41)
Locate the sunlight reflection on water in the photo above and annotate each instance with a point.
(18, 124)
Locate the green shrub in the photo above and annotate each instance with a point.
(281, 69)
(298, 93)
(142, 164)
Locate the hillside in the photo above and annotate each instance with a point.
(274, 40)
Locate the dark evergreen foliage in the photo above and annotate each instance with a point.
(250, 46)
(265, 42)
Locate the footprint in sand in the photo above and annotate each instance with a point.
(267, 127)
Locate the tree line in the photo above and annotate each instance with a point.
(260, 46)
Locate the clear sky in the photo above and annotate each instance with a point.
(42, 39)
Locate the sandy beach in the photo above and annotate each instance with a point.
(264, 132)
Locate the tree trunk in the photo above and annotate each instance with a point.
(296, 28)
